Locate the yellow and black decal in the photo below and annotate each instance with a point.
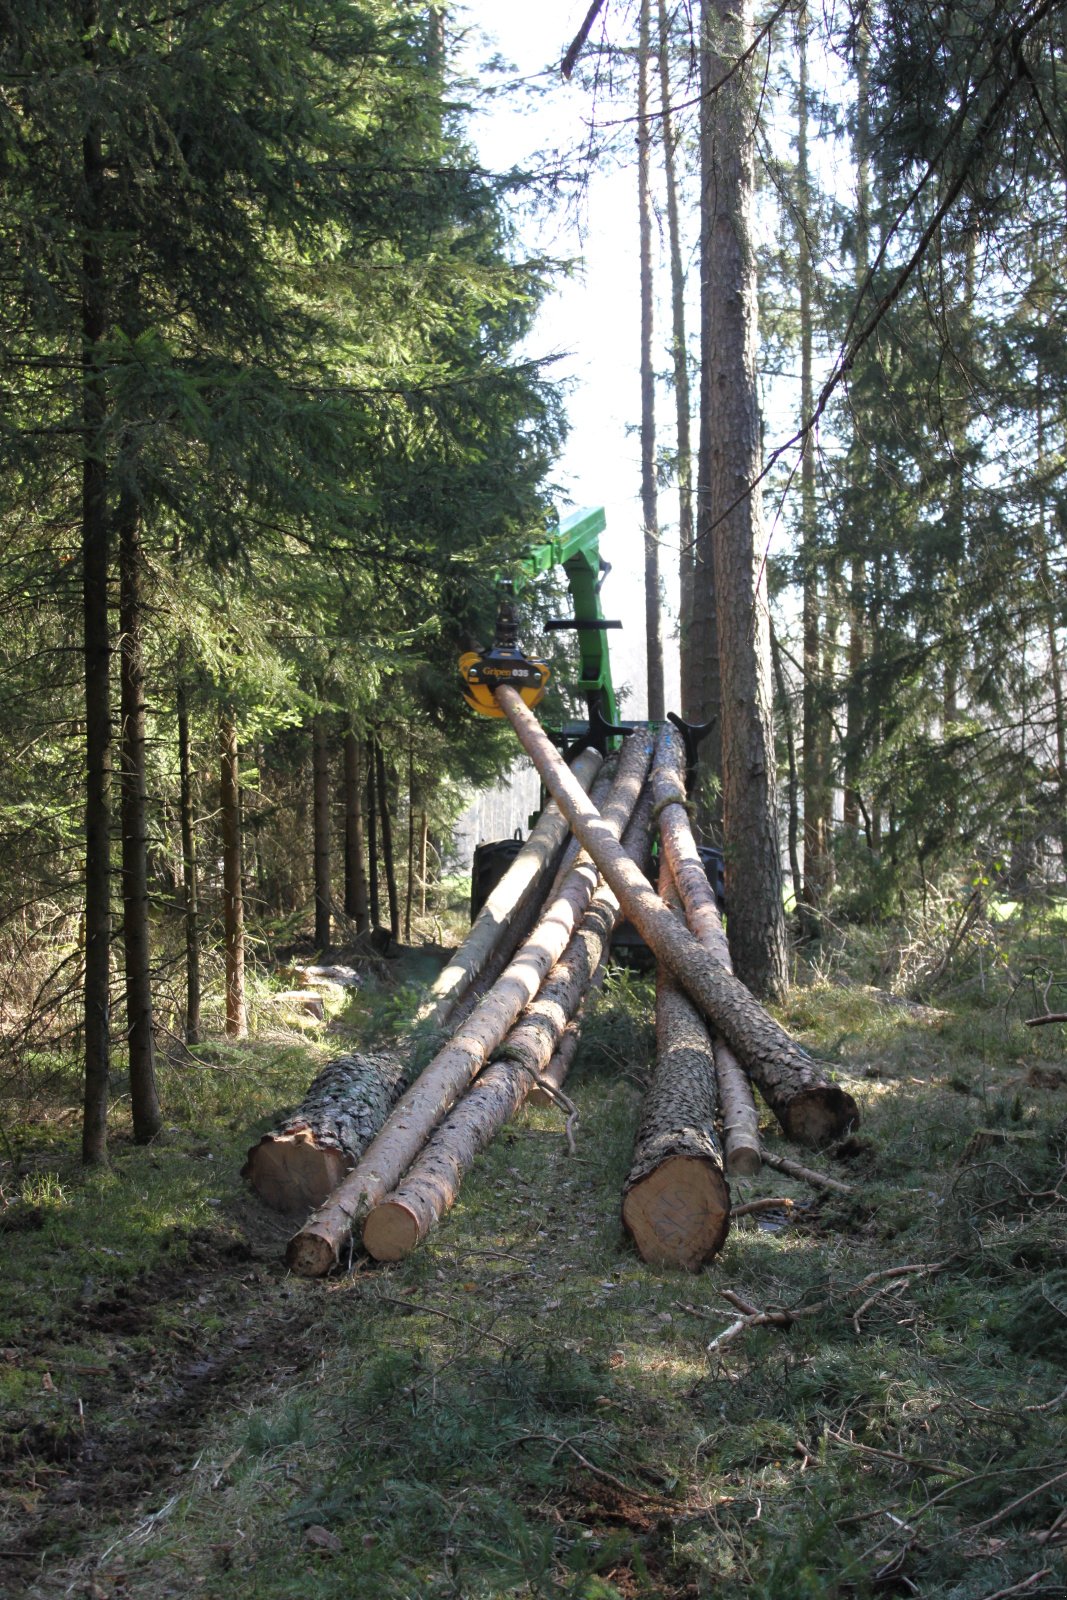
(483, 671)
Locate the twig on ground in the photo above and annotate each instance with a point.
(753, 1317)
(1020, 1588)
(1039, 1022)
(1006, 1511)
(435, 1311)
(565, 1104)
(598, 1472)
(793, 1169)
(768, 1203)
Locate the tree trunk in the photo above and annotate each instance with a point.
(750, 821)
(424, 837)
(679, 350)
(314, 1250)
(793, 780)
(356, 900)
(810, 891)
(810, 1109)
(299, 1163)
(649, 509)
(189, 869)
(233, 908)
(676, 1202)
(320, 824)
(144, 1101)
(409, 893)
(739, 1115)
(521, 886)
(701, 689)
(388, 861)
(853, 762)
(429, 1189)
(372, 838)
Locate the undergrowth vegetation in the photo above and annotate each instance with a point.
(523, 1408)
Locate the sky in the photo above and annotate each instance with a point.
(592, 321)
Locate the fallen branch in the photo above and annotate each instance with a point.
(1049, 1016)
(753, 1317)
(793, 1169)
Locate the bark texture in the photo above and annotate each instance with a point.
(676, 1202)
(233, 908)
(433, 1181)
(189, 872)
(320, 815)
(357, 903)
(301, 1161)
(526, 875)
(810, 1109)
(315, 1249)
(740, 1118)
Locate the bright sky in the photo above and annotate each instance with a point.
(593, 320)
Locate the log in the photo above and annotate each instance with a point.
(403, 1218)
(676, 1201)
(305, 1001)
(739, 1115)
(297, 1164)
(811, 1109)
(316, 1248)
(518, 888)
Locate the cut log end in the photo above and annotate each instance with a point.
(294, 1174)
(391, 1231)
(742, 1161)
(310, 1255)
(818, 1116)
(678, 1216)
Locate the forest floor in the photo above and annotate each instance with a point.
(523, 1408)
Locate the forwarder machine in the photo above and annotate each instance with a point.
(574, 546)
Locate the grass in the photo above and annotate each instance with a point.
(524, 1409)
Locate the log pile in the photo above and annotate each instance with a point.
(391, 1155)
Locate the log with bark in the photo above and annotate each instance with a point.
(517, 890)
(739, 1115)
(299, 1163)
(810, 1108)
(316, 1248)
(400, 1221)
(676, 1201)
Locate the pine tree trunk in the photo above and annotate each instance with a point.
(388, 860)
(857, 597)
(649, 509)
(97, 647)
(750, 820)
(676, 1202)
(189, 870)
(316, 1248)
(320, 825)
(356, 898)
(1055, 653)
(424, 838)
(372, 838)
(409, 893)
(144, 1101)
(701, 688)
(233, 909)
(679, 350)
(809, 1107)
(785, 712)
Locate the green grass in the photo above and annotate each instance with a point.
(523, 1408)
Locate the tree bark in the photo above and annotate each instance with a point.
(372, 838)
(96, 644)
(320, 825)
(429, 1188)
(409, 891)
(233, 908)
(792, 781)
(750, 820)
(144, 1101)
(423, 843)
(676, 1202)
(388, 860)
(295, 1166)
(810, 1109)
(314, 1250)
(357, 904)
(189, 869)
(521, 886)
(649, 508)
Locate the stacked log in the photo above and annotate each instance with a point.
(316, 1248)
(295, 1166)
(516, 893)
(739, 1115)
(811, 1109)
(676, 1201)
(402, 1219)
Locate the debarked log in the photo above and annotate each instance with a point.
(394, 1227)
(810, 1108)
(297, 1164)
(315, 1250)
(676, 1201)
